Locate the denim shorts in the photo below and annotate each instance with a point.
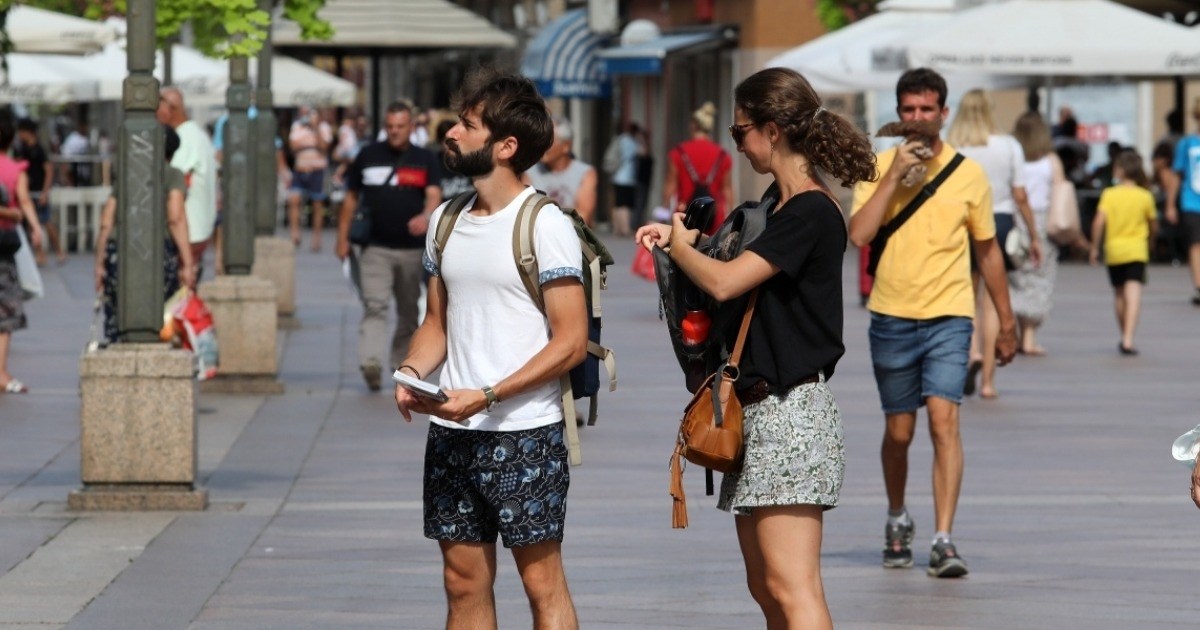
(480, 484)
(918, 358)
(310, 185)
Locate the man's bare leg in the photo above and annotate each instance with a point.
(897, 436)
(947, 460)
(469, 574)
(541, 569)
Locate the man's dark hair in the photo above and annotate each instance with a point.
(920, 80)
(27, 124)
(7, 133)
(444, 128)
(1069, 127)
(1174, 120)
(511, 107)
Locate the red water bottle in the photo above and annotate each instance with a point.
(695, 327)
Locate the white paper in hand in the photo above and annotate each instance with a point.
(419, 387)
(1186, 447)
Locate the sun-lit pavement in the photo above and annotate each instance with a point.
(1072, 516)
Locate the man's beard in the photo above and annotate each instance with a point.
(474, 164)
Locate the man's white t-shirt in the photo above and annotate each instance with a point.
(493, 326)
(196, 158)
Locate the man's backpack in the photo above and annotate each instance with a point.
(583, 381)
(701, 187)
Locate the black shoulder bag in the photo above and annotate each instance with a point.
(881, 238)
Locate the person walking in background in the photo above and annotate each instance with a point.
(794, 460)
(196, 159)
(78, 144)
(400, 185)
(178, 266)
(40, 181)
(1183, 198)
(921, 309)
(973, 134)
(1032, 285)
(309, 141)
(17, 208)
(623, 171)
(496, 463)
(420, 133)
(699, 167)
(1127, 222)
(453, 184)
(644, 176)
(568, 181)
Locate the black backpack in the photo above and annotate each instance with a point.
(701, 187)
(678, 295)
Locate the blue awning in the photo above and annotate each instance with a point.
(561, 59)
(649, 57)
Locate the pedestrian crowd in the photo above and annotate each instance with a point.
(964, 280)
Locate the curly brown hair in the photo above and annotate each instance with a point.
(784, 97)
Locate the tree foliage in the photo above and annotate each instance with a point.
(835, 14)
(220, 28)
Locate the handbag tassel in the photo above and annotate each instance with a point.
(679, 518)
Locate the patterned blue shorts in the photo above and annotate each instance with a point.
(482, 483)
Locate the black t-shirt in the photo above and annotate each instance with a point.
(796, 330)
(392, 185)
(36, 156)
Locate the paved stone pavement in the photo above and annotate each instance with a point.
(1073, 514)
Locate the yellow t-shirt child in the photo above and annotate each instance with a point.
(1128, 210)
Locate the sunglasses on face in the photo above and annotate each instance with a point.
(738, 132)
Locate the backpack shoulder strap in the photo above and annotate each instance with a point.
(447, 221)
(523, 249)
(712, 174)
(687, 166)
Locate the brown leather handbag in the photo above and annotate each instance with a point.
(710, 434)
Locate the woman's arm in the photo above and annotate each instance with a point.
(1097, 234)
(722, 280)
(1021, 197)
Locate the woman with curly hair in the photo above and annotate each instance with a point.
(793, 466)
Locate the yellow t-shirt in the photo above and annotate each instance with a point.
(925, 271)
(1128, 211)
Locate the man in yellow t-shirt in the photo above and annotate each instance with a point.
(921, 308)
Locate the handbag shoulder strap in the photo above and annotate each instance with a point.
(926, 192)
(738, 345)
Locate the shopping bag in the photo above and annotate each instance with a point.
(27, 270)
(195, 323)
(1062, 219)
(643, 263)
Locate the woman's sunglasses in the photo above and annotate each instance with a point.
(739, 132)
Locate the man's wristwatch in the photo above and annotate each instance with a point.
(492, 399)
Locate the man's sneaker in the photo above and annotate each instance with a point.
(897, 552)
(371, 373)
(944, 561)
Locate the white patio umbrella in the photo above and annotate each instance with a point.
(46, 79)
(842, 61)
(35, 30)
(1059, 38)
(204, 80)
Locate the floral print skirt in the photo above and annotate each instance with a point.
(12, 308)
(793, 453)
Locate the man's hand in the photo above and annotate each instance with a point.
(462, 404)
(99, 276)
(1006, 343)
(1093, 256)
(35, 236)
(407, 402)
(187, 276)
(342, 249)
(907, 156)
(418, 225)
(1172, 213)
(1035, 251)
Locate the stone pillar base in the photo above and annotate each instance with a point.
(235, 384)
(244, 316)
(137, 416)
(138, 497)
(275, 261)
(289, 322)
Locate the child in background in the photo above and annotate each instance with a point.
(1126, 219)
